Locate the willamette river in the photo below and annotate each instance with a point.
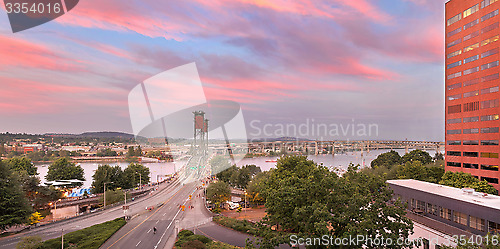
(159, 170)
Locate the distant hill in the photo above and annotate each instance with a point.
(106, 134)
(279, 139)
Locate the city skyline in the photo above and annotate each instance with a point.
(340, 63)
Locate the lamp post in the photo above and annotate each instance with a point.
(140, 180)
(105, 193)
(245, 203)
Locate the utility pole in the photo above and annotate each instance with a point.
(62, 238)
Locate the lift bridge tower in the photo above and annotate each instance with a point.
(200, 143)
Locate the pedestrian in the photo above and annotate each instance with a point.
(154, 230)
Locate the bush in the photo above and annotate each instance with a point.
(188, 236)
(238, 225)
(194, 244)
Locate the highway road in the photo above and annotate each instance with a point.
(138, 207)
(139, 233)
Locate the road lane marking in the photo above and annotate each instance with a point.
(149, 230)
(173, 219)
(157, 221)
(138, 243)
(146, 218)
(164, 214)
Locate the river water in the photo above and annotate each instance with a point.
(159, 170)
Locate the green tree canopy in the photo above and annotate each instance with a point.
(14, 207)
(256, 187)
(310, 200)
(62, 169)
(133, 174)
(218, 192)
(417, 155)
(466, 180)
(112, 176)
(22, 165)
(387, 159)
(415, 170)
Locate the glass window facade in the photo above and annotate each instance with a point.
(489, 142)
(489, 28)
(470, 59)
(471, 35)
(471, 142)
(471, 82)
(453, 54)
(489, 90)
(489, 155)
(487, 16)
(489, 65)
(483, 42)
(454, 164)
(453, 97)
(471, 24)
(460, 218)
(454, 121)
(454, 19)
(454, 64)
(454, 86)
(477, 223)
(471, 119)
(471, 165)
(489, 130)
(453, 153)
(454, 109)
(471, 94)
(458, 131)
(453, 142)
(490, 117)
(471, 10)
(489, 53)
(486, 3)
(471, 154)
(455, 42)
(489, 104)
(490, 77)
(490, 179)
(454, 75)
(489, 167)
(471, 47)
(445, 213)
(454, 32)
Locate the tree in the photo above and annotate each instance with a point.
(417, 155)
(35, 218)
(106, 152)
(387, 159)
(226, 174)
(113, 196)
(311, 201)
(218, 192)
(112, 176)
(466, 180)
(133, 174)
(22, 165)
(62, 169)
(29, 242)
(438, 157)
(255, 188)
(14, 207)
(415, 170)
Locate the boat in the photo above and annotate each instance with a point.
(271, 161)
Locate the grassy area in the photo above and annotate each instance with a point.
(88, 238)
(238, 225)
(186, 239)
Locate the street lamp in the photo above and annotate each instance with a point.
(245, 203)
(105, 193)
(140, 180)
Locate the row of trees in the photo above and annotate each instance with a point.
(419, 165)
(115, 177)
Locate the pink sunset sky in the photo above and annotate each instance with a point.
(285, 61)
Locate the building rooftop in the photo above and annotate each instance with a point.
(466, 195)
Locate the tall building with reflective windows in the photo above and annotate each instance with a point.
(472, 88)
